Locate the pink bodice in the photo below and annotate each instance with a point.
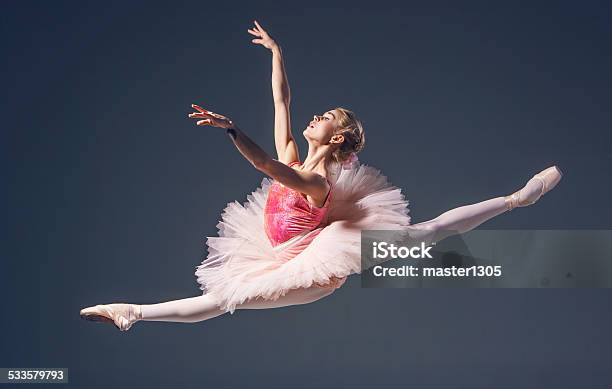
(288, 213)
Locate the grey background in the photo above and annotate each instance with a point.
(110, 190)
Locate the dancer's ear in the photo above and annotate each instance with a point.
(337, 139)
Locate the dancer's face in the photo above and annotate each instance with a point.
(321, 128)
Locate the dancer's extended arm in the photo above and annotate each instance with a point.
(286, 146)
(310, 183)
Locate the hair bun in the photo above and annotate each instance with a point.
(354, 139)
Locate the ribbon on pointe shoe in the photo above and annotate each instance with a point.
(549, 178)
(107, 313)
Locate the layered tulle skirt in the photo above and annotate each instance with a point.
(242, 263)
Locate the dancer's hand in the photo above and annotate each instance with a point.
(264, 39)
(210, 118)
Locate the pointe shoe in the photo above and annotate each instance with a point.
(123, 316)
(548, 179)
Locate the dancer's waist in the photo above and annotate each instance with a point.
(293, 246)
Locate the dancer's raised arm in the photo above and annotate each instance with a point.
(308, 182)
(286, 147)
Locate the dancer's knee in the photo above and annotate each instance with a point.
(296, 296)
(431, 231)
(432, 226)
(308, 295)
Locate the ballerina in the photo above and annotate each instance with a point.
(297, 238)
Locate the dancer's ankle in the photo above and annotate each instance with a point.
(527, 195)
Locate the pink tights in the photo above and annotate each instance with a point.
(458, 220)
(194, 309)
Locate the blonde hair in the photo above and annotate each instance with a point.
(351, 127)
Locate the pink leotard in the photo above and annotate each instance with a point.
(288, 213)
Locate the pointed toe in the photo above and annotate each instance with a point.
(112, 313)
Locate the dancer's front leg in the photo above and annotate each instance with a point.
(460, 220)
(468, 217)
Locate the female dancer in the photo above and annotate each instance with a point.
(297, 237)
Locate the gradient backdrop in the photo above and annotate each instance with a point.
(110, 189)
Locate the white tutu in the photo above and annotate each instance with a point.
(242, 263)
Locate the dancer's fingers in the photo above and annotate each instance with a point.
(253, 32)
(207, 114)
(204, 111)
(204, 122)
(210, 114)
(258, 26)
(216, 115)
(198, 108)
(198, 115)
(221, 117)
(258, 41)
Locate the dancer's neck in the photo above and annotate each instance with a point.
(317, 160)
